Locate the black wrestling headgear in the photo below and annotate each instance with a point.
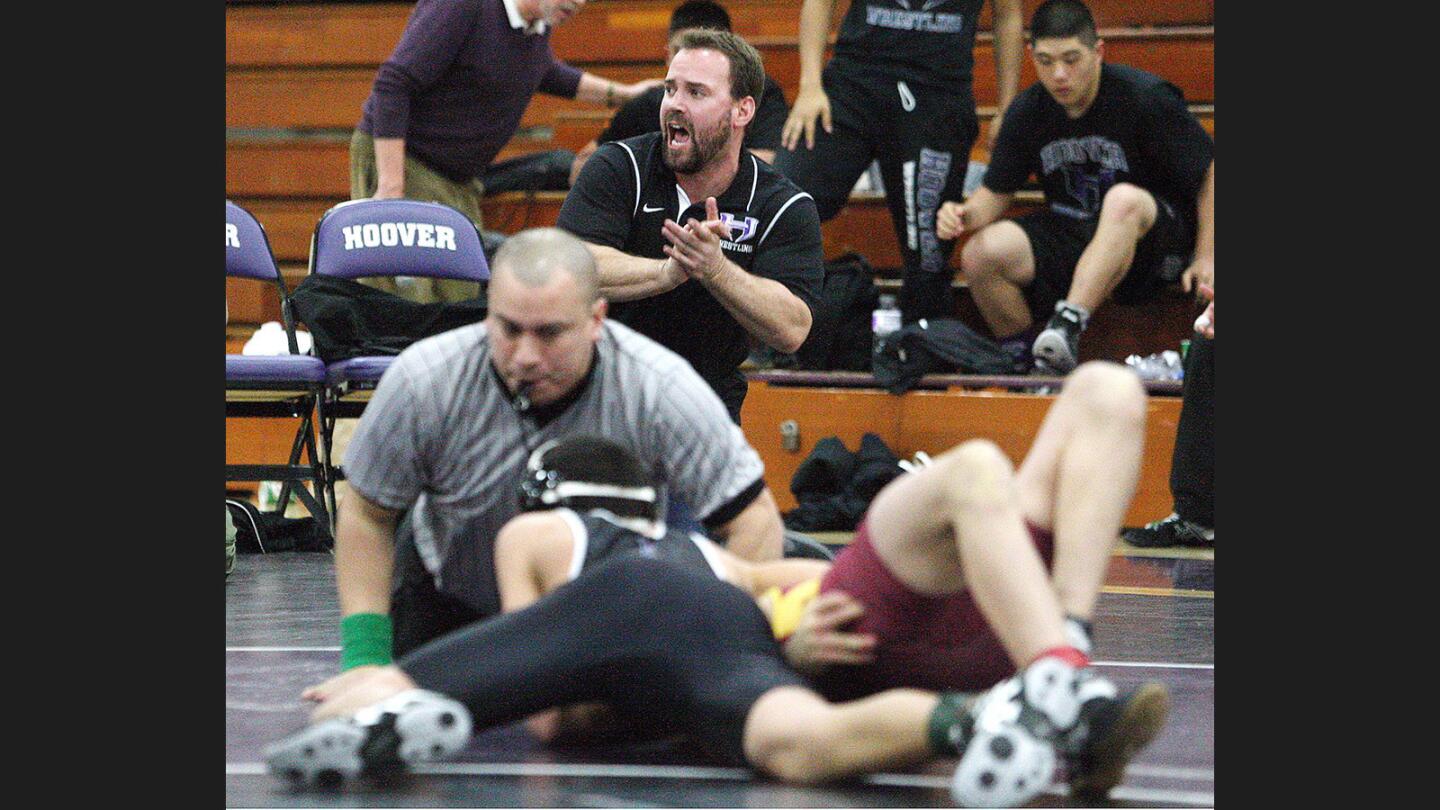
(587, 472)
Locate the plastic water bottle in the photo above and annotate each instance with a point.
(1166, 365)
(268, 496)
(884, 320)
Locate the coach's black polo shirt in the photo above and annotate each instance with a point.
(622, 198)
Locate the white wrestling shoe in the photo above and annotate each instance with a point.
(1011, 754)
(413, 726)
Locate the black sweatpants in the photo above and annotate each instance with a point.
(1192, 467)
(921, 137)
(669, 648)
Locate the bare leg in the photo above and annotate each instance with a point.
(1080, 474)
(958, 525)
(339, 441)
(795, 735)
(1126, 215)
(998, 264)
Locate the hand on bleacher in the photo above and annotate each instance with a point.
(1205, 324)
(1200, 272)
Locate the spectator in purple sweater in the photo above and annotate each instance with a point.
(450, 96)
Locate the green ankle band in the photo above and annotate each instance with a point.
(365, 638)
(947, 727)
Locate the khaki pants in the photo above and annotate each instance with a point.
(421, 183)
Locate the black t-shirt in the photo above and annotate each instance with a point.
(641, 114)
(775, 233)
(929, 42)
(1138, 131)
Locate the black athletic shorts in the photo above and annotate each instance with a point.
(1057, 241)
(670, 648)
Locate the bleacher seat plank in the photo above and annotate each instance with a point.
(319, 168)
(288, 223)
(1118, 13)
(1184, 57)
(296, 98)
(288, 168)
(308, 167)
(332, 34)
(257, 440)
(933, 421)
(325, 97)
(315, 35)
(249, 302)
(1115, 331)
(572, 129)
(863, 225)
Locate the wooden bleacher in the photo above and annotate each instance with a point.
(922, 419)
(310, 66)
(298, 72)
(933, 421)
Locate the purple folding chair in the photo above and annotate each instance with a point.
(286, 385)
(369, 238)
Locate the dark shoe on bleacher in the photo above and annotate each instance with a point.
(1170, 532)
(1057, 347)
(764, 358)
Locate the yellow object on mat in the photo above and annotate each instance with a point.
(789, 605)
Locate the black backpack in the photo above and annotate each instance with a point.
(259, 532)
(840, 337)
(936, 346)
(348, 319)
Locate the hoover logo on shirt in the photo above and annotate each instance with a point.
(746, 228)
(391, 234)
(1089, 166)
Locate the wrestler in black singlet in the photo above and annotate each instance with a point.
(669, 646)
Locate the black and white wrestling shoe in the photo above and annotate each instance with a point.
(413, 726)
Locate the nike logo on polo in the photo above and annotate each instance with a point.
(647, 209)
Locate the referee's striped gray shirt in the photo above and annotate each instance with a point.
(441, 433)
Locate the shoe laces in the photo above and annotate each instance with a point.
(1156, 525)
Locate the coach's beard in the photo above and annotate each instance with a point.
(703, 146)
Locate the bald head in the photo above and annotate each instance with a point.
(534, 256)
(546, 313)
